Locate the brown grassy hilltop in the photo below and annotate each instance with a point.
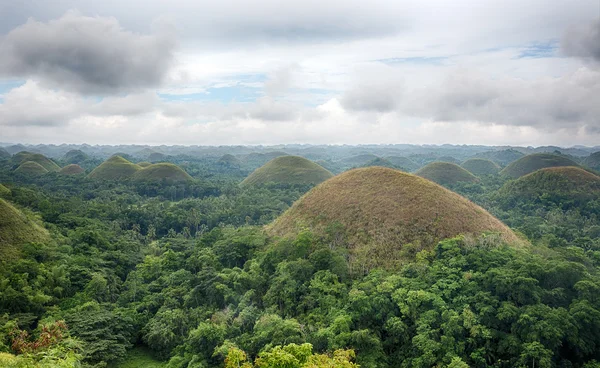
(378, 210)
(288, 170)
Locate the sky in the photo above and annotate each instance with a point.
(491, 72)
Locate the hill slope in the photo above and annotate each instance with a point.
(381, 162)
(42, 160)
(503, 157)
(481, 167)
(4, 155)
(403, 163)
(16, 229)
(531, 163)
(445, 173)
(114, 168)
(288, 170)
(72, 169)
(31, 168)
(4, 191)
(378, 210)
(593, 161)
(75, 157)
(162, 171)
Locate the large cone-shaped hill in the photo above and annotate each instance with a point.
(17, 229)
(114, 168)
(31, 168)
(378, 210)
(162, 171)
(75, 157)
(42, 160)
(560, 185)
(72, 169)
(593, 161)
(531, 163)
(288, 170)
(446, 173)
(481, 167)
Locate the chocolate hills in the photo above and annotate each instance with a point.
(42, 160)
(229, 160)
(534, 162)
(403, 163)
(358, 160)
(375, 212)
(446, 173)
(382, 162)
(31, 168)
(17, 229)
(162, 171)
(75, 157)
(4, 191)
(144, 164)
(502, 157)
(481, 167)
(288, 170)
(4, 155)
(593, 161)
(115, 168)
(72, 169)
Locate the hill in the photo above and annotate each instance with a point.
(531, 163)
(593, 161)
(502, 157)
(381, 162)
(4, 191)
(229, 160)
(446, 173)
(31, 168)
(358, 160)
(4, 155)
(403, 163)
(17, 229)
(481, 167)
(44, 161)
(162, 171)
(115, 168)
(144, 164)
(75, 157)
(72, 169)
(450, 159)
(376, 211)
(288, 170)
(156, 156)
(566, 186)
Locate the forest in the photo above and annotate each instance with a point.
(299, 256)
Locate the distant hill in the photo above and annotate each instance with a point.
(481, 167)
(144, 164)
(531, 163)
(156, 157)
(375, 212)
(75, 157)
(162, 172)
(115, 168)
(593, 161)
(403, 163)
(256, 159)
(17, 229)
(448, 159)
(382, 162)
(502, 157)
(72, 169)
(44, 161)
(358, 160)
(4, 155)
(288, 170)
(446, 173)
(229, 161)
(4, 191)
(31, 168)
(564, 186)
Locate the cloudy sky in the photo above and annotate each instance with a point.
(328, 71)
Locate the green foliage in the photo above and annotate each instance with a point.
(115, 168)
(446, 173)
(531, 163)
(162, 172)
(288, 170)
(481, 167)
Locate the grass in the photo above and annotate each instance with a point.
(530, 163)
(31, 168)
(24, 156)
(382, 162)
(593, 161)
(72, 169)
(140, 357)
(144, 164)
(75, 157)
(502, 157)
(162, 171)
(16, 228)
(569, 183)
(377, 211)
(445, 173)
(229, 160)
(481, 167)
(288, 170)
(403, 163)
(4, 191)
(114, 168)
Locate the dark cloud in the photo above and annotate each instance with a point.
(86, 55)
(583, 41)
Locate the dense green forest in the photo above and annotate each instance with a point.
(144, 271)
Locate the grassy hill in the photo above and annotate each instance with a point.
(72, 169)
(115, 168)
(481, 167)
(382, 162)
(229, 161)
(156, 156)
(4, 191)
(75, 157)
(44, 161)
(403, 163)
(376, 211)
(144, 164)
(593, 161)
(358, 160)
(162, 171)
(531, 163)
(4, 155)
(31, 168)
(288, 170)
(446, 173)
(559, 185)
(502, 157)
(17, 229)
